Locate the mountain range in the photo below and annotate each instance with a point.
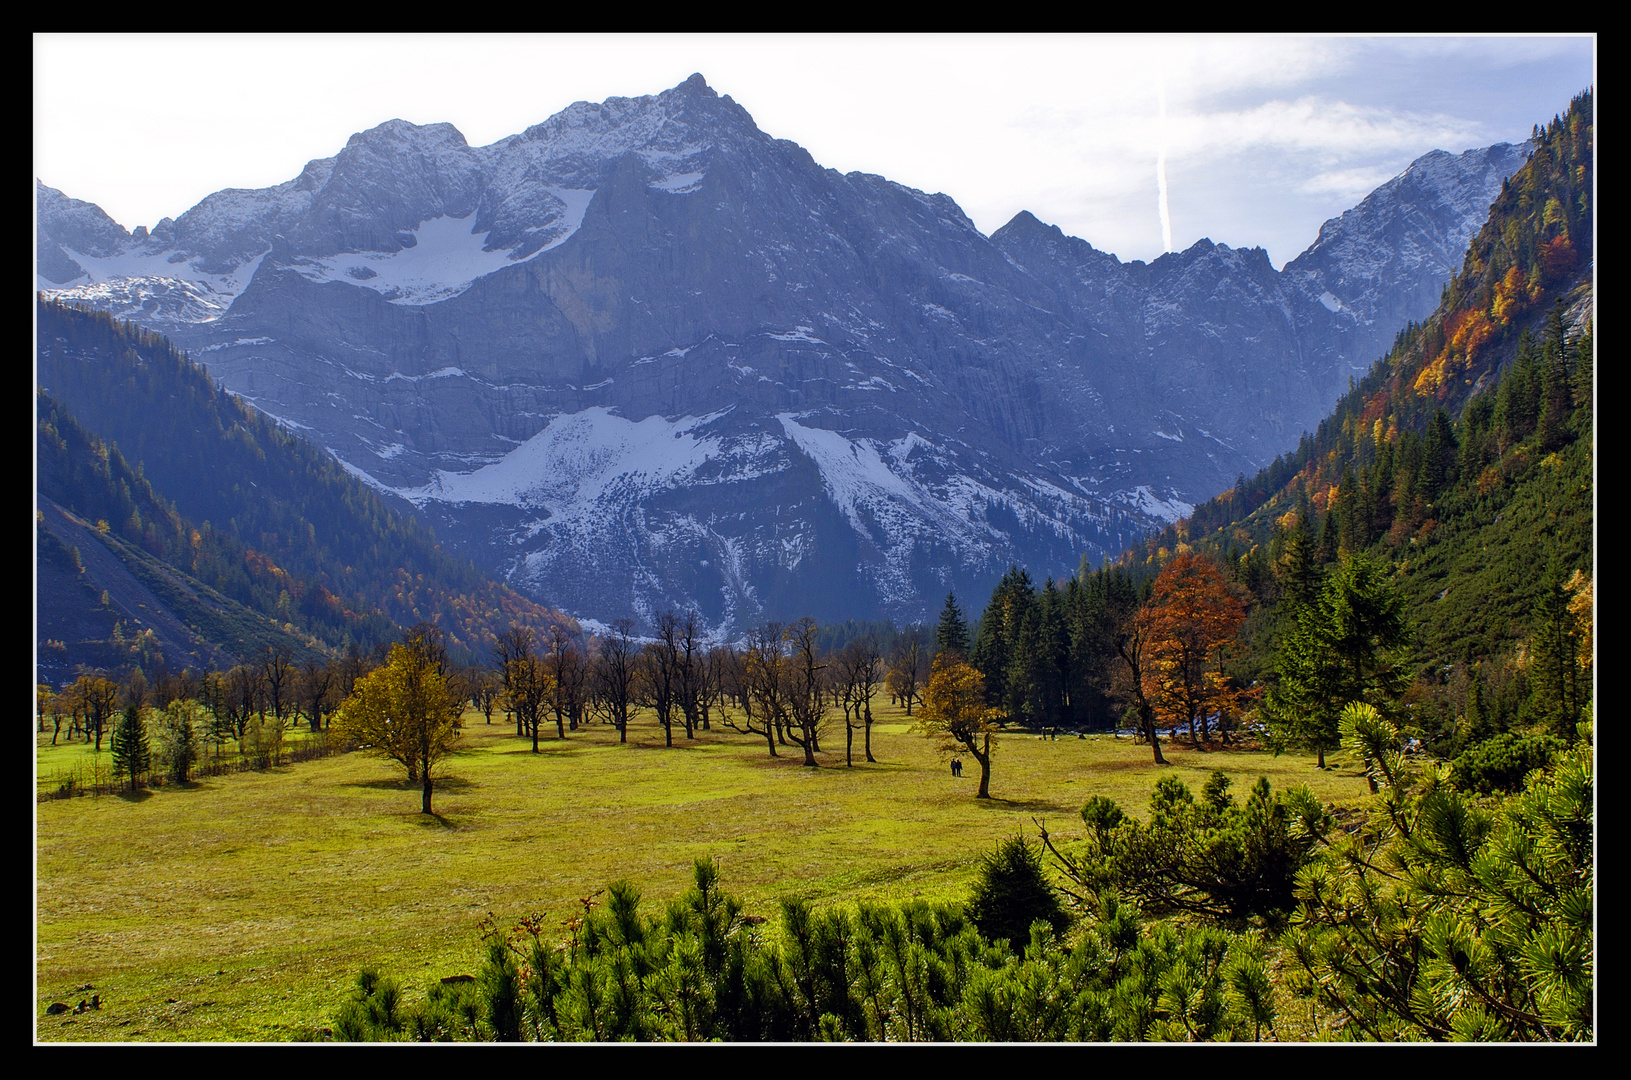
(644, 355)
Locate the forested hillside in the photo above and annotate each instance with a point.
(116, 572)
(134, 434)
(1529, 270)
(1464, 460)
(1461, 466)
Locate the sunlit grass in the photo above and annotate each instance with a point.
(241, 907)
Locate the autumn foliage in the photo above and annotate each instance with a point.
(405, 711)
(1190, 617)
(955, 711)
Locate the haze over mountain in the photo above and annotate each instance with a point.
(645, 355)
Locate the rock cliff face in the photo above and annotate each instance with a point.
(644, 355)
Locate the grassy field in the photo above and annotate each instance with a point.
(242, 907)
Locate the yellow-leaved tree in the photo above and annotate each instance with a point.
(954, 711)
(405, 711)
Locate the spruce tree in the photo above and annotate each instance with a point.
(1300, 574)
(1343, 648)
(1556, 400)
(1556, 687)
(1439, 456)
(952, 633)
(131, 756)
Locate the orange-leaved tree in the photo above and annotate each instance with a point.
(1191, 614)
(954, 711)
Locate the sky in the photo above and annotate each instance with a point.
(1260, 138)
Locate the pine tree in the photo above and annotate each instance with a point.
(1556, 686)
(1344, 648)
(131, 756)
(952, 633)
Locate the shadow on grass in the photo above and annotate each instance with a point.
(439, 784)
(1034, 806)
(554, 748)
(139, 795)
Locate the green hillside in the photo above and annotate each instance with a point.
(132, 433)
(1465, 458)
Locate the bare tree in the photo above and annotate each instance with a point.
(689, 669)
(484, 688)
(908, 668)
(561, 652)
(316, 692)
(527, 684)
(615, 674)
(659, 668)
(1133, 636)
(805, 708)
(859, 670)
(277, 678)
(245, 698)
(759, 674)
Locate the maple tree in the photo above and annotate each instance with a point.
(405, 711)
(1191, 614)
(954, 710)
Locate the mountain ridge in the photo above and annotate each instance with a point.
(661, 257)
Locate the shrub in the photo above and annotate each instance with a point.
(1228, 861)
(1501, 762)
(1012, 892)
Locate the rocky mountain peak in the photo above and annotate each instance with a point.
(645, 355)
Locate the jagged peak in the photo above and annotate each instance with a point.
(399, 130)
(696, 83)
(1027, 222)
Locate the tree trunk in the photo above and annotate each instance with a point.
(424, 796)
(1149, 731)
(985, 767)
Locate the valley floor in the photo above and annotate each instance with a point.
(242, 907)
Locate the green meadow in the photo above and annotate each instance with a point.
(241, 907)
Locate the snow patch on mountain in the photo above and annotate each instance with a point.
(907, 496)
(157, 286)
(1145, 501)
(580, 459)
(877, 487)
(444, 260)
(678, 183)
(798, 333)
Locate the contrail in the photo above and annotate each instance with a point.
(1161, 163)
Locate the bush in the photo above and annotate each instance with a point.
(1012, 892)
(1501, 762)
(1223, 860)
